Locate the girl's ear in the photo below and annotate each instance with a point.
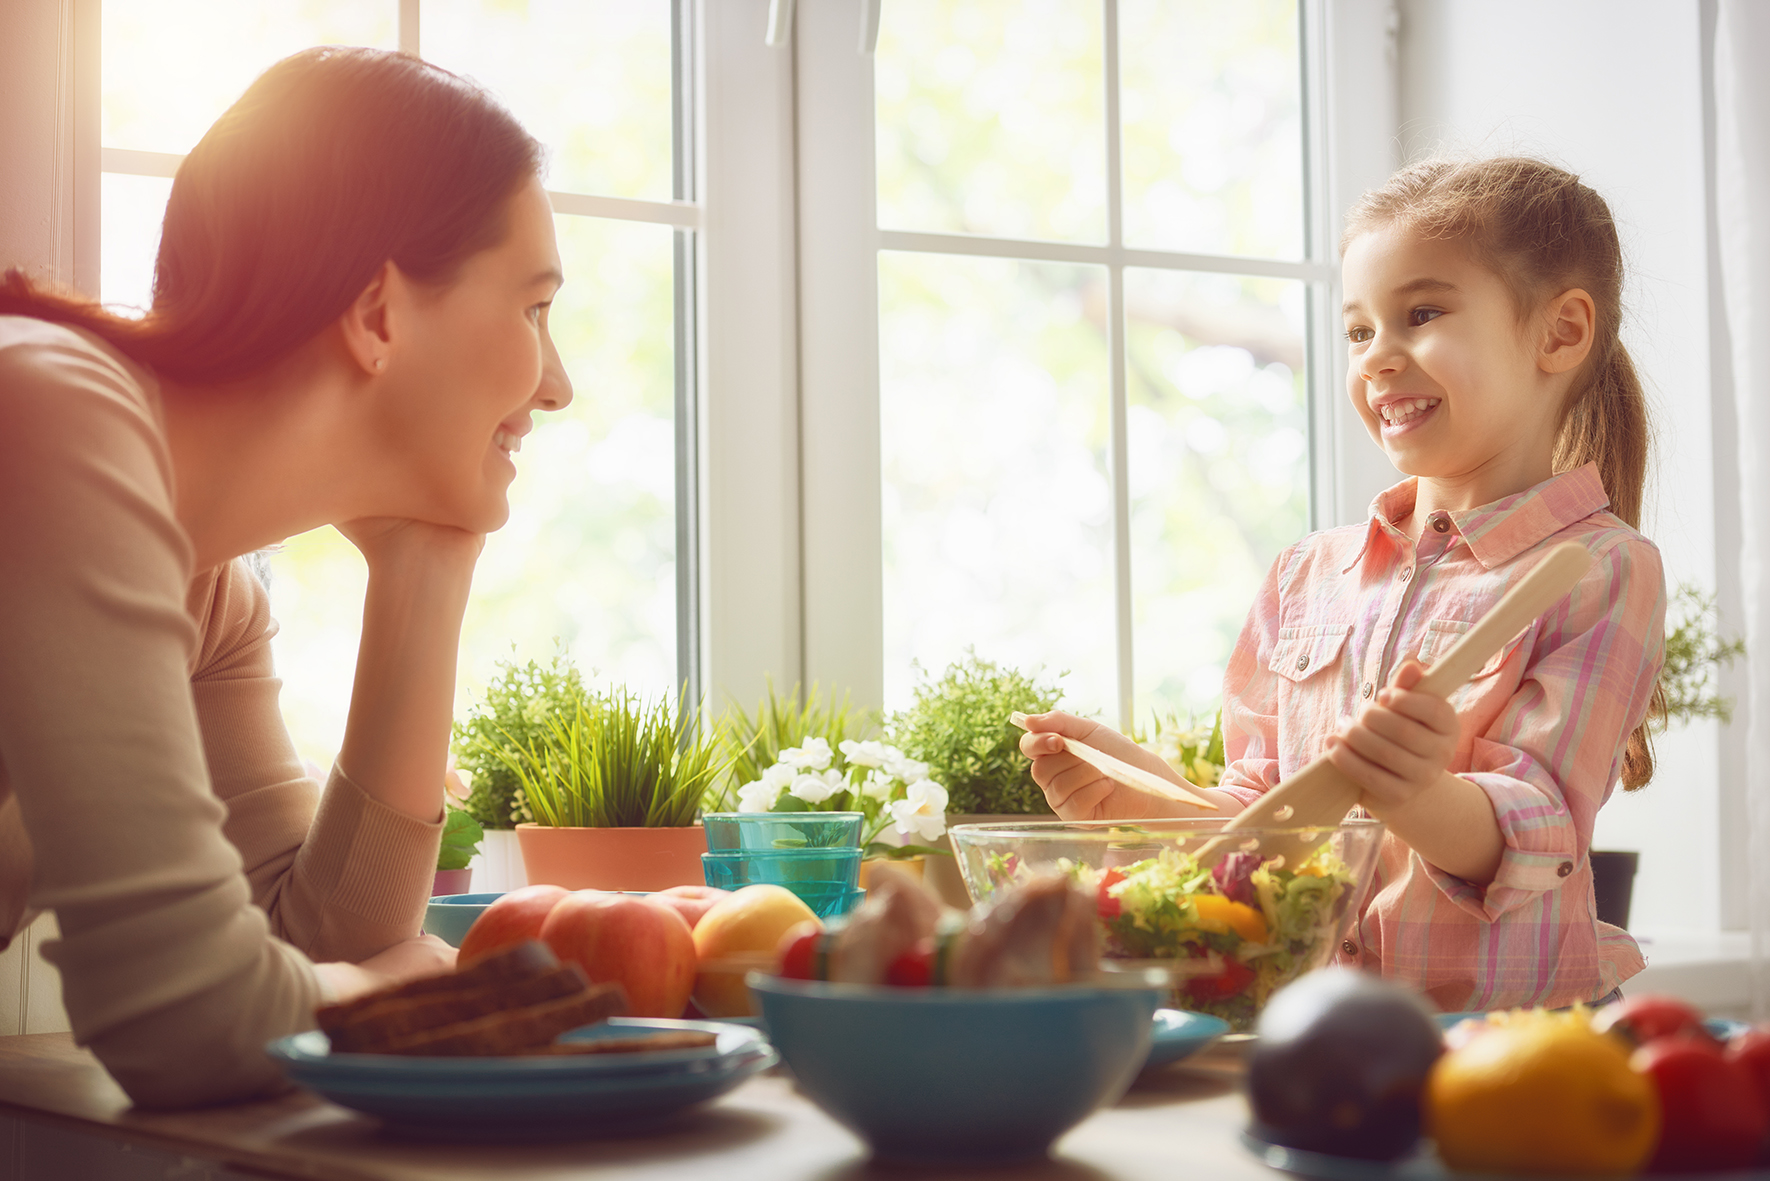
(366, 324)
(1570, 324)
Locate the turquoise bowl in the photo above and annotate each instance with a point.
(825, 879)
(932, 1075)
(449, 915)
(781, 830)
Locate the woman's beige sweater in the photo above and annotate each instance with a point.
(149, 794)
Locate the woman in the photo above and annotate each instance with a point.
(349, 326)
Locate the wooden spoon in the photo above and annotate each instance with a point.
(1120, 771)
(1320, 795)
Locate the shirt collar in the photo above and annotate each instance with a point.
(1498, 532)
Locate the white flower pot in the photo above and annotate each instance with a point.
(498, 867)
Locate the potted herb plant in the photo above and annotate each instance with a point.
(512, 711)
(958, 725)
(460, 842)
(612, 784)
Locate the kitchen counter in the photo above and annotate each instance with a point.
(62, 1117)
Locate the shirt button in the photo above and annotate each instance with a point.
(1368, 690)
(1302, 663)
(1441, 524)
(1349, 947)
(1565, 868)
(1407, 574)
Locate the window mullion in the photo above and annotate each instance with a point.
(1124, 623)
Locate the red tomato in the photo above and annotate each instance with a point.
(1750, 1051)
(1231, 980)
(799, 952)
(1640, 1019)
(1105, 903)
(914, 968)
(1710, 1117)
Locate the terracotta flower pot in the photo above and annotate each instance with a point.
(612, 858)
(916, 867)
(942, 873)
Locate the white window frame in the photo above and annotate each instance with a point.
(839, 246)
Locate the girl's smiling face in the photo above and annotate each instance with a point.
(1450, 380)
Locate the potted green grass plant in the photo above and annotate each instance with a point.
(610, 785)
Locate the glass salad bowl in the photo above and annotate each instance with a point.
(1236, 915)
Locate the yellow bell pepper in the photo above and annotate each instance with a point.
(1216, 913)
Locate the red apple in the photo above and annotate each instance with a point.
(515, 918)
(691, 902)
(643, 945)
(1709, 1112)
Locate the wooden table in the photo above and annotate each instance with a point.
(62, 1117)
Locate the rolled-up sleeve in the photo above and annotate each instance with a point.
(1553, 754)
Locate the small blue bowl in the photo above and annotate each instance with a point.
(449, 915)
(781, 830)
(958, 1075)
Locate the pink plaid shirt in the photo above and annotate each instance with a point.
(1544, 724)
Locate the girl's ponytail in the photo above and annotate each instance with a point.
(1543, 232)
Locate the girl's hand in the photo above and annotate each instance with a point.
(410, 959)
(1076, 791)
(390, 540)
(1400, 744)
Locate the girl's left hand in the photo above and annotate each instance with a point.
(1400, 744)
(384, 540)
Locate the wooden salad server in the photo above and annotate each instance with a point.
(1320, 794)
(1120, 771)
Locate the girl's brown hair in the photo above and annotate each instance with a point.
(1543, 232)
(333, 162)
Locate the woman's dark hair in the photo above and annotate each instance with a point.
(333, 162)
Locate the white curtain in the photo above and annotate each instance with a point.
(1742, 203)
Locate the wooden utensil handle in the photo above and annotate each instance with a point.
(1119, 771)
(1548, 581)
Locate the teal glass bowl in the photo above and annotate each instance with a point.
(781, 830)
(957, 1075)
(824, 879)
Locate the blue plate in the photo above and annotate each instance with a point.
(530, 1098)
(1179, 1034)
(1423, 1165)
(1721, 1028)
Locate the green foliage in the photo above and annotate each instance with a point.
(460, 840)
(1694, 650)
(959, 726)
(514, 711)
(613, 760)
(753, 743)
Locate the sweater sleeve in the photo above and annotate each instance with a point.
(340, 875)
(169, 973)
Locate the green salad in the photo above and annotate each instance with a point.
(1266, 922)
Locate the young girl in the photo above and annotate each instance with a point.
(1481, 308)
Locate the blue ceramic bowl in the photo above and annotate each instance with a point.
(449, 915)
(781, 830)
(939, 1074)
(823, 878)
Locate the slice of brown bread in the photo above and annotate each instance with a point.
(514, 1031)
(369, 1029)
(523, 962)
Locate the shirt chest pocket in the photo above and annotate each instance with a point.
(1442, 634)
(1304, 652)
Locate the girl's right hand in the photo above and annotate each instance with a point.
(411, 959)
(1074, 789)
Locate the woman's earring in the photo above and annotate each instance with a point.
(379, 361)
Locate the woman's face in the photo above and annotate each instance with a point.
(475, 362)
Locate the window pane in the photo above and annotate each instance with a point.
(997, 508)
(1218, 468)
(588, 78)
(171, 67)
(991, 118)
(588, 557)
(131, 209)
(1212, 126)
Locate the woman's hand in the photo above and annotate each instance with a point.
(389, 541)
(1076, 791)
(1400, 744)
(411, 959)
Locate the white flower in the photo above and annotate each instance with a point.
(779, 775)
(758, 796)
(867, 754)
(899, 766)
(815, 789)
(878, 786)
(815, 755)
(922, 811)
